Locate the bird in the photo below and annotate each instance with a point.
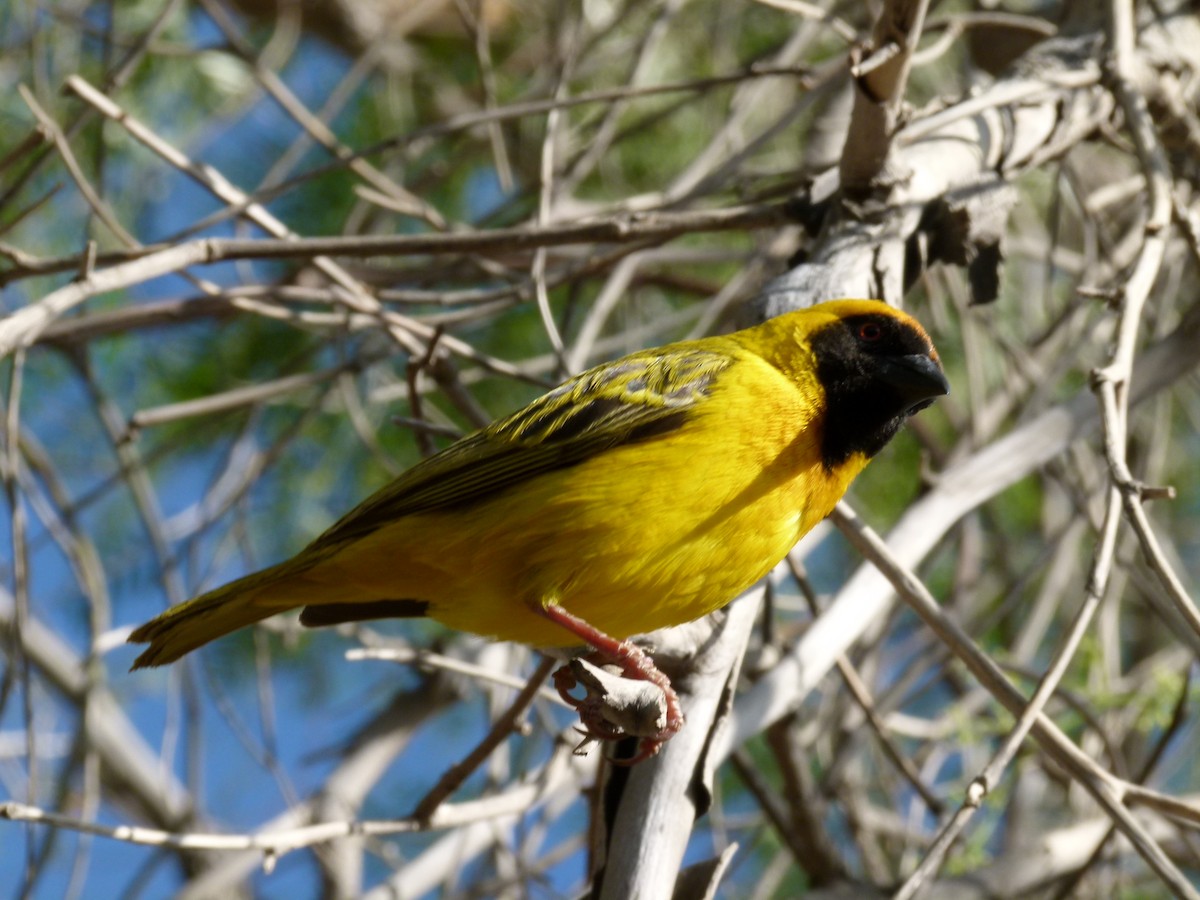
(642, 493)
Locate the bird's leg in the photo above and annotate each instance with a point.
(633, 662)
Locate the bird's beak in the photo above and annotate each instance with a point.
(917, 378)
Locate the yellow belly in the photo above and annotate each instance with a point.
(636, 538)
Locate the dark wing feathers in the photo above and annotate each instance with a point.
(635, 398)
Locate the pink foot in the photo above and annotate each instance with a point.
(634, 663)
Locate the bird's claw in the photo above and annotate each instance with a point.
(595, 713)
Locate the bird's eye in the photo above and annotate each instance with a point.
(870, 332)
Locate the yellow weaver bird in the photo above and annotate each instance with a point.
(643, 493)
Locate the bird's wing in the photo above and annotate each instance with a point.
(635, 398)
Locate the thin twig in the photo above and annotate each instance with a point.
(1105, 788)
(983, 783)
(454, 776)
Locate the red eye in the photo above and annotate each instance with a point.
(870, 332)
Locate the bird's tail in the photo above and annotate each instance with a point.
(187, 626)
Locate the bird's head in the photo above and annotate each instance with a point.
(877, 367)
